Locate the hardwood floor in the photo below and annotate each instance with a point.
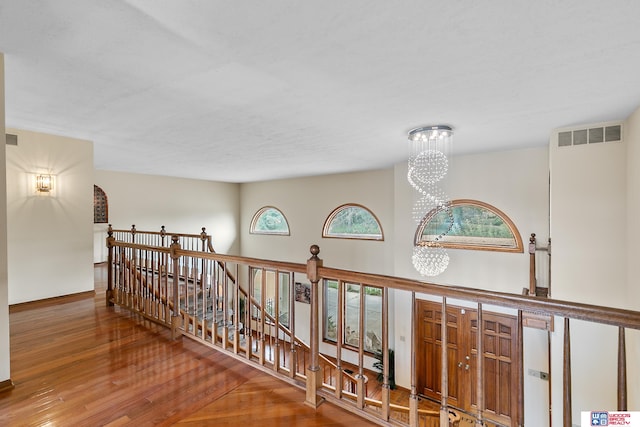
(75, 362)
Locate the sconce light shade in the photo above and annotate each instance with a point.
(44, 183)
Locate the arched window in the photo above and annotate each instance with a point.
(269, 220)
(476, 225)
(100, 206)
(352, 221)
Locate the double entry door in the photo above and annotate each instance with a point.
(500, 360)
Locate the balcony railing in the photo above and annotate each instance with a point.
(246, 307)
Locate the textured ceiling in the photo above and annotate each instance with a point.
(256, 90)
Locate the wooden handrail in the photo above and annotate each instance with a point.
(574, 310)
(161, 233)
(135, 282)
(203, 237)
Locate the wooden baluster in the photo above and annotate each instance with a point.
(292, 328)
(314, 375)
(132, 277)
(121, 276)
(444, 381)
(549, 269)
(263, 312)
(110, 266)
(276, 316)
(521, 373)
(339, 340)
(225, 313)
(237, 318)
(147, 282)
(155, 285)
(246, 318)
(215, 296)
(479, 366)
(204, 286)
(175, 318)
(385, 355)
(133, 233)
(566, 381)
(361, 339)
(163, 233)
(413, 396)
(550, 378)
(622, 371)
(168, 268)
(249, 305)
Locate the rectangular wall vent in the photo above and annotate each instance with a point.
(591, 135)
(12, 139)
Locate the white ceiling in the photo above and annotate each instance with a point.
(254, 90)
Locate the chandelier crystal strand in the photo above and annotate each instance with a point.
(428, 166)
(430, 260)
(428, 202)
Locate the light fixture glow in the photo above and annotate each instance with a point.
(44, 183)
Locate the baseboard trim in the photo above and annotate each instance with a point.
(6, 385)
(22, 306)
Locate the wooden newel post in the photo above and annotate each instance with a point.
(163, 233)
(314, 376)
(532, 264)
(110, 245)
(203, 237)
(175, 317)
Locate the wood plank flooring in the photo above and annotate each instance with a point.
(75, 362)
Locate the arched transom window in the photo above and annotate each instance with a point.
(269, 220)
(473, 225)
(352, 221)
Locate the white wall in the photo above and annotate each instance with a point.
(181, 205)
(4, 284)
(632, 137)
(589, 235)
(49, 236)
(306, 203)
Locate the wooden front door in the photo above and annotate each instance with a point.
(500, 359)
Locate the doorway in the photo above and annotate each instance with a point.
(500, 360)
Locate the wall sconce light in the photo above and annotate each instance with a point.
(44, 183)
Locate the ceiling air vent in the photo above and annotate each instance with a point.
(591, 135)
(12, 139)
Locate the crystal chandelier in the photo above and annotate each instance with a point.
(428, 166)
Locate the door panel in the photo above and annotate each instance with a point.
(428, 360)
(501, 367)
(499, 356)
